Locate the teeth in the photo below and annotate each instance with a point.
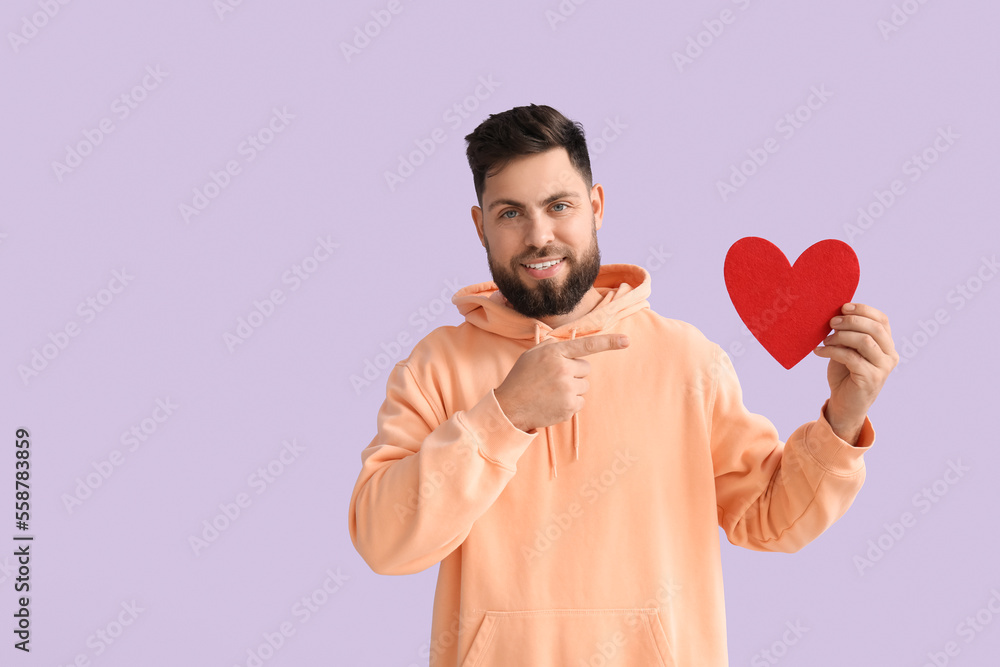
(544, 265)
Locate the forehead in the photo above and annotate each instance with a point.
(529, 178)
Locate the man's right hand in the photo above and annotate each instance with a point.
(547, 383)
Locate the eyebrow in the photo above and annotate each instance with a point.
(565, 194)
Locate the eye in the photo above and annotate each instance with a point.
(504, 214)
(563, 204)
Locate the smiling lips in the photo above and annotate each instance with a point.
(544, 269)
(543, 265)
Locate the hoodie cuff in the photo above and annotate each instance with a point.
(499, 441)
(833, 452)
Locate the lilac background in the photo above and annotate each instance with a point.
(679, 132)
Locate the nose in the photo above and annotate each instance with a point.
(539, 232)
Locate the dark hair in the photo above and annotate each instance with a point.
(524, 131)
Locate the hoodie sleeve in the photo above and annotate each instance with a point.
(425, 478)
(775, 496)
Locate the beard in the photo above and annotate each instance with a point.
(547, 298)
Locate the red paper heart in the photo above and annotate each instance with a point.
(788, 308)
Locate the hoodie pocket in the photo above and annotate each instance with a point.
(571, 637)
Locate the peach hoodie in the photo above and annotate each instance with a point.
(594, 541)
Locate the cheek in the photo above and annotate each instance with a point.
(579, 240)
(503, 247)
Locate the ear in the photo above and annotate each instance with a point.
(597, 204)
(477, 218)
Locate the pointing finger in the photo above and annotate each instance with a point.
(581, 347)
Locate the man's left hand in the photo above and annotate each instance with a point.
(861, 354)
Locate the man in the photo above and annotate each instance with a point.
(566, 453)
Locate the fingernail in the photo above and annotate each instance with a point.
(623, 340)
(848, 307)
(837, 320)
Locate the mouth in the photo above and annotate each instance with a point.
(544, 268)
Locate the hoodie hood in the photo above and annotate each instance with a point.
(624, 289)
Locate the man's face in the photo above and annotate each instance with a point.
(539, 225)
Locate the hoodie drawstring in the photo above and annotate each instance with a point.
(576, 423)
(553, 467)
(548, 433)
